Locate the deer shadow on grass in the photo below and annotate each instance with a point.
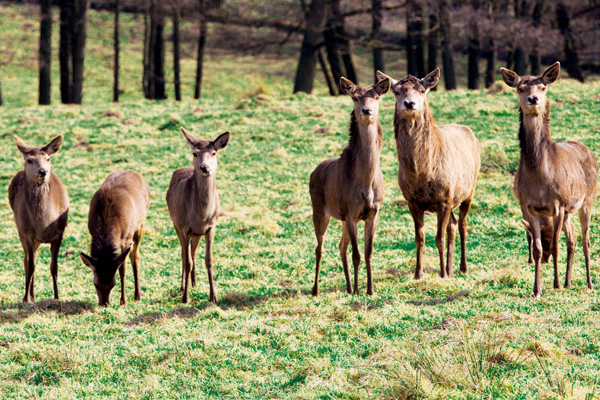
(17, 312)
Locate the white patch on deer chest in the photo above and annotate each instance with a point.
(369, 197)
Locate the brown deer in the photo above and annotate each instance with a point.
(555, 179)
(40, 204)
(193, 203)
(116, 223)
(350, 188)
(438, 168)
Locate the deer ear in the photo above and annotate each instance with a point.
(53, 146)
(511, 78)
(383, 86)
(221, 142)
(121, 257)
(23, 148)
(381, 76)
(88, 261)
(347, 87)
(431, 79)
(550, 75)
(191, 140)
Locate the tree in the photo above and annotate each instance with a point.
(473, 49)
(571, 54)
(176, 67)
(415, 52)
(433, 43)
(377, 22)
(154, 52)
(73, 33)
(534, 57)
(116, 55)
(445, 33)
(45, 52)
(200, 57)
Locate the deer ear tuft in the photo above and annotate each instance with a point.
(511, 78)
(347, 87)
(550, 75)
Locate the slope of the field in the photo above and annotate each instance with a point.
(471, 337)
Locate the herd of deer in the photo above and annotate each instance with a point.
(438, 168)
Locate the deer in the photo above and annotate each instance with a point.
(116, 223)
(350, 188)
(194, 207)
(438, 168)
(555, 179)
(40, 205)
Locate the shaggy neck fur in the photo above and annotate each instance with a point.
(361, 155)
(416, 141)
(38, 195)
(534, 137)
(203, 190)
(103, 245)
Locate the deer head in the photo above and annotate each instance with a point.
(532, 89)
(37, 159)
(366, 98)
(205, 152)
(104, 270)
(411, 92)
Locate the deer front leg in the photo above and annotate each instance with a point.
(353, 235)
(534, 224)
(370, 226)
(208, 262)
(569, 230)
(194, 244)
(462, 230)
(184, 241)
(584, 217)
(122, 273)
(451, 240)
(418, 219)
(443, 218)
(321, 222)
(135, 264)
(558, 223)
(54, 249)
(29, 266)
(344, 242)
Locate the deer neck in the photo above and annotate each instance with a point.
(204, 191)
(365, 145)
(38, 195)
(534, 138)
(416, 142)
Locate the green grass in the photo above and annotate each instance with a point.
(477, 336)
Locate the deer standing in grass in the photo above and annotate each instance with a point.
(194, 207)
(555, 179)
(116, 222)
(40, 204)
(438, 168)
(350, 188)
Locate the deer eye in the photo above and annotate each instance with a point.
(422, 91)
(214, 153)
(543, 88)
(29, 161)
(520, 90)
(195, 155)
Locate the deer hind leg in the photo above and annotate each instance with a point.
(418, 219)
(134, 256)
(463, 210)
(443, 219)
(569, 230)
(370, 226)
(54, 248)
(353, 235)
(450, 242)
(321, 222)
(585, 214)
(344, 242)
(208, 262)
(194, 246)
(558, 224)
(184, 241)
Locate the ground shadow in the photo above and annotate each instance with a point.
(440, 300)
(154, 317)
(17, 312)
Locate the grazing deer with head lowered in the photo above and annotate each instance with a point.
(350, 188)
(40, 204)
(438, 168)
(555, 179)
(193, 203)
(116, 223)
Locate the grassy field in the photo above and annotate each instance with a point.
(477, 336)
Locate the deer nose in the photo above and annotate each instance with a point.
(42, 172)
(367, 111)
(409, 104)
(204, 169)
(532, 99)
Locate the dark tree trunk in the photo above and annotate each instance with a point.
(330, 85)
(117, 50)
(415, 52)
(377, 20)
(79, 37)
(154, 52)
(176, 67)
(490, 69)
(73, 25)
(159, 59)
(334, 57)
(473, 51)
(570, 50)
(447, 58)
(433, 44)
(200, 58)
(65, 50)
(45, 54)
(534, 57)
(519, 57)
(313, 39)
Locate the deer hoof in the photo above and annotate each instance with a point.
(537, 295)
(315, 291)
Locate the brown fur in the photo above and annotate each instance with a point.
(40, 204)
(350, 188)
(438, 168)
(194, 207)
(116, 223)
(554, 179)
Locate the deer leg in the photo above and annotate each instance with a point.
(134, 256)
(185, 265)
(558, 223)
(463, 210)
(321, 222)
(54, 248)
(418, 218)
(29, 250)
(370, 226)
(534, 224)
(451, 240)
(443, 217)
(122, 273)
(344, 242)
(208, 239)
(584, 217)
(353, 234)
(530, 246)
(194, 246)
(569, 230)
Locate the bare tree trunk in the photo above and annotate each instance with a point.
(159, 59)
(117, 50)
(534, 57)
(45, 52)
(80, 35)
(447, 58)
(473, 51)
(415, 53)
(176, 67)
(571, 54)
(200, 58)
(433, 44)
(519, 56)
(154, 52)
(377, 20)
(490, 53)
(313, 38)
(330, 85)
(64, 49)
